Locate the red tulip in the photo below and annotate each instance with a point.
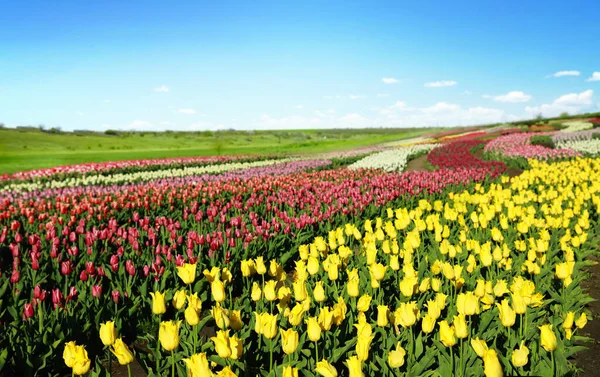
(115, 296)
(66, 267)
(28, 311)
(83, 276)
(97, 291)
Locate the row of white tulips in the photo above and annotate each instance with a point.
(591, 147)
(391, 160)
(575, 126)
(91, 180)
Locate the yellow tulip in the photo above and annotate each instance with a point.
(108, 333)
(460, 326)
(289, 371)
(325, 318)
(226, 276)
(479, 346)
(268, 324)
(187, 273)
(333, 271)
(433, 309)
(354, 367)
(258, 323)
(313, 329)
(235, 318)
(296, 314)
(382, 315)
(82, 362)
(548, 338)
(428, 324)
(259, 264)
(217, 288)
(194, 302)
(247, 267)
(339, 311)
(408, 285)
(236, 346)
(486, 257)
(569, 319)
(506, 313)
(480, 288)
(520, 356)
(221, 317)
(214, 273)
(289, 340)
(69, 354)
(425, 285)
(363, 346)
(274, 268)
(325, 369)
(122, 353)
(269, 290)
(256, 292)
(378, 271)
(353, 288)
(319, 292)
(158, 303)
(394, 265)
(467, 303)
(396, 357)
(491, 364)
(407, 314)
(501, 288)
(191, 317)
(447, 334)
(582, 321)
(364, 302)
(518, 303)
(221, 342)
(179, 299)
(436, 284)
(197, 365)
(312, 266)
(301, 271)
(300, 293)
(168, 334)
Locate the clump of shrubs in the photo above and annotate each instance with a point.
(543, 140)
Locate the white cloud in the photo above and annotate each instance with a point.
(187, 111)
(595, 77)
(389, 80)
(515, 96)
(440, 114)
(382, 95)
(566, 73)
(570, 103)
(355, 96)
(161, 89)
(299, 107)
(439, 84)
(140, 124)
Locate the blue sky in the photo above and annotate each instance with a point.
(271, 65)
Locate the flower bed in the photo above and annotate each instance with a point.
(391, 160)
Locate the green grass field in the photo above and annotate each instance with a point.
(26, 150)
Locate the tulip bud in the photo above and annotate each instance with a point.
(520, 356)
(168, 334)
(115, 296)
(548, 338)
(396, 357)
(313, 329)
(289, 340)
(28, 311)
(108, 333)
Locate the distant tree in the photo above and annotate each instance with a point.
(540, 116)
(111, 132)
(55, 130)
(42, 127)
(1, 125)
(564, 115)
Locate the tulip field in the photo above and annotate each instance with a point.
(304, 266)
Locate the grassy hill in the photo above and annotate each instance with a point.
(26, 149)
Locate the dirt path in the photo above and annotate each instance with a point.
(589, 360)
(417, 164)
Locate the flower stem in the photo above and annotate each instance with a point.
(172, 364)
(271, 354)
(553, 364)
(128, 371)
(109, 362)
(316, 352)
